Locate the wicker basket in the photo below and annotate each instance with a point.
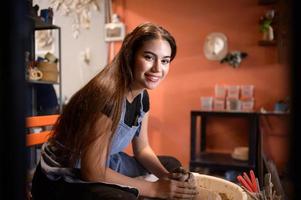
(50, 71)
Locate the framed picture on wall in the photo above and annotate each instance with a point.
(114, 32)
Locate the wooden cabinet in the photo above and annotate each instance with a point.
(200, 157)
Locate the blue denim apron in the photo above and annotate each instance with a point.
(118, 160)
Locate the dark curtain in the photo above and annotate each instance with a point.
(12, 94)
(296, 100)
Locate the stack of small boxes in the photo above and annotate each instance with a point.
(247, 98)
(220, 92)
(233, 102)
(230, 98)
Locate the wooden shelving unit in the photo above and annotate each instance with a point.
(36, 24)
(221, 161)
(267, 43)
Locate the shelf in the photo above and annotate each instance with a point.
(267, 43)
(41, 25)
(234, 114)
(219, 161)
(44, 26)
(42, 82)
(274, 113)
(222, 113)
(266, 2)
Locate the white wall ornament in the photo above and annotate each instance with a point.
(215, 46)
(114, 31)
(80, 10)
(86, 56)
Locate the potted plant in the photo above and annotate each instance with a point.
(266, 25)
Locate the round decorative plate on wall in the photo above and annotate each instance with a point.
(215, 46)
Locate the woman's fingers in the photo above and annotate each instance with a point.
(179, 170)
(179, 176)
(183, 196)
(175, 176)
(182, 190)
(186, 191)
(174, 189)
(182, 184)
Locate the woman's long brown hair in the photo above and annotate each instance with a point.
(94, 111)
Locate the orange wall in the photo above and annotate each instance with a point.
(192, 75)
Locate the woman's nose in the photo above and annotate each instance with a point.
(157, 66)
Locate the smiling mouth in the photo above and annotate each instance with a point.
(152, 78)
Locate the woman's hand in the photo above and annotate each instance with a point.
(182, 174)
(174, 189)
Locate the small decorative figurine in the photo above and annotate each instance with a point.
(234, 58)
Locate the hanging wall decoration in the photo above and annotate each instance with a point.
(114, 31)
(80, 10)
(234, 58)
(215, 46)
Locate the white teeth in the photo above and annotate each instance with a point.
(153, 78)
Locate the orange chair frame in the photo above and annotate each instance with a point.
(33, 139)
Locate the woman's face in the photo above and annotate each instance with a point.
(151, 64)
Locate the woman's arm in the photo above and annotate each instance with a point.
(144, 153)
(163, 188)
(93, 169)
(145, 188)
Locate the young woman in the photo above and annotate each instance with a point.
(85, 156)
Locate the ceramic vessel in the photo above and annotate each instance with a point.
(214, 188)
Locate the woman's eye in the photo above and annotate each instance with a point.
(165, 61)
(148, 57)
